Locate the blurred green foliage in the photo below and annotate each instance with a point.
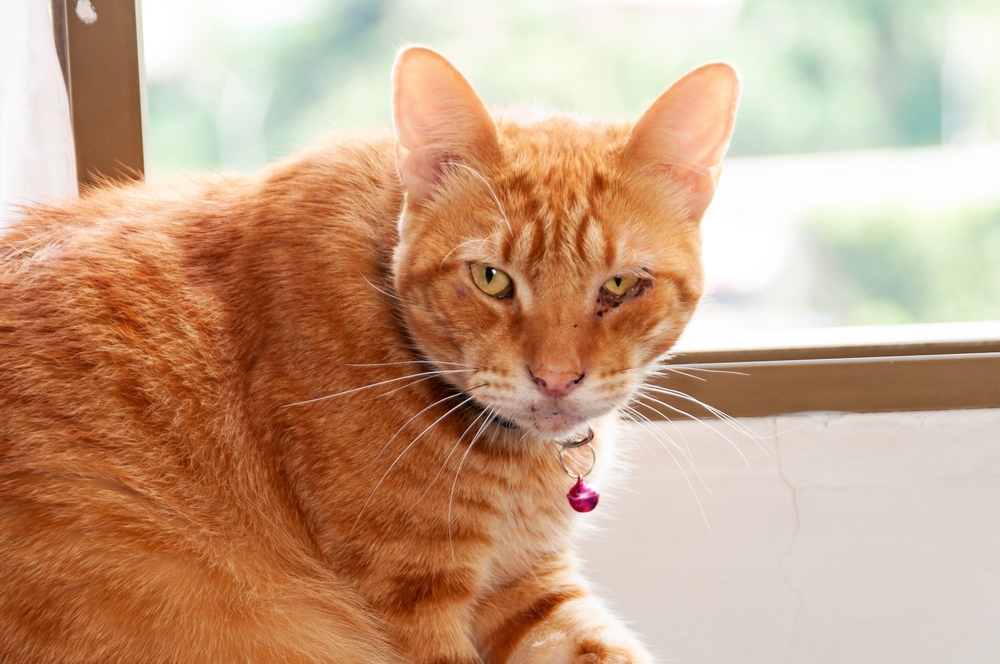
(908, 268)
(818, 74)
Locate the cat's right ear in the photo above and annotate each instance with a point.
(437, 117)
(685, 133)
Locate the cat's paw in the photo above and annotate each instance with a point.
(578, 636)
(563, 648)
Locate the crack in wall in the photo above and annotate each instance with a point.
(782, 562)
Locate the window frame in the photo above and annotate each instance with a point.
(885, 377)
(104, 72)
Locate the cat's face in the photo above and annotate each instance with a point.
(544, 263)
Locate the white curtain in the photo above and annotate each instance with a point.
(37, 160)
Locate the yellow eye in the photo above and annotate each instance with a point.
(491, 280)
(620, 285)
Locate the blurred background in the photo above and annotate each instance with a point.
(863, 182)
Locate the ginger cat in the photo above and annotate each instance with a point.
(311, 414)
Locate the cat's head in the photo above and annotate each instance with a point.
(547, 262)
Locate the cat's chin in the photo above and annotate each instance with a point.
(546, 431)
(559, 429)
(556, 426)
(554, 422)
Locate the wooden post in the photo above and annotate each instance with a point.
(102, 66)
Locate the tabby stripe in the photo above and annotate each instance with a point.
(440, 588)
(610, 250)
(580, 241)
(512, 632)
(598, 185)
(538, 245)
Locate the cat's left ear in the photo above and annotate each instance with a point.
(438, 117)
(686, 132)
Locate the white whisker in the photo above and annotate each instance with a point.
(680, 372)
(630, 417)
(402, 387)
(447, 458)
(383, 382)
(400, 456)
(649, 426)
(725, 417)
(407, 422)
(395, 297)
(431, 362)
(488, 186)
(639, 418)
(457, 246)
(687, 479)
(451, 496)
(703, 369)
(696, 419)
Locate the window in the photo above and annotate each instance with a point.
(861, 187)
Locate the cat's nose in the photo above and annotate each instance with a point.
(556, 380)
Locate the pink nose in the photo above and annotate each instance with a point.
(555, 381)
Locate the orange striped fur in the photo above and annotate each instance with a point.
(222, 436)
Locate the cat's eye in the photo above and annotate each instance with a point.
(491, 280)
(618, 286)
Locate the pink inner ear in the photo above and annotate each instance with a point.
(419, 170)
(437, 116)
(425, 110)
(686, 131)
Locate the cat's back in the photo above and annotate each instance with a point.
(140, 295)
(134, 324)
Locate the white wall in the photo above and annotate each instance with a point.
(857, 538)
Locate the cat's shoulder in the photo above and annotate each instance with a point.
(345, 179)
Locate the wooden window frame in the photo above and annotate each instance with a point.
(886, 377)
(103, 67)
